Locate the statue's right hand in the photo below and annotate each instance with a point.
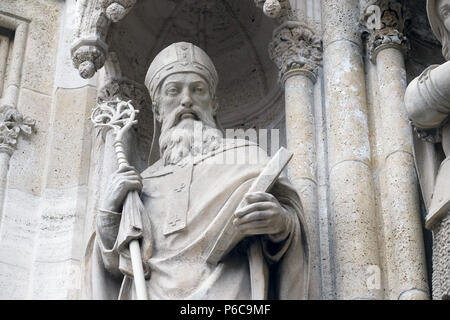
(121, 182)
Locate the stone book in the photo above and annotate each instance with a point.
(229, 236)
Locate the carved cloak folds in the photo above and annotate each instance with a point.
(188, 205)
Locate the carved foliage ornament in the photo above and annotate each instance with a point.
(12, 123)
(89, 58)
(387, 22)
(125, 90)
(295, 48)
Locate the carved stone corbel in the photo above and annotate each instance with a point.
(116, 10)
(386, 21)
(89, 50)
(296, 49)
(277, 9)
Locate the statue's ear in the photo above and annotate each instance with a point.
(156, 111)
(215, 105)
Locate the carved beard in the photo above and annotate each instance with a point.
(181, 137)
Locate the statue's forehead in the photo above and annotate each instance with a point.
(185, 77)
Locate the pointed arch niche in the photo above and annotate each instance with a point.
(234, 33)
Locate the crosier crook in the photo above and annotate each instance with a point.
(120, 116)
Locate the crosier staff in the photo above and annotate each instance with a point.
(121, 116)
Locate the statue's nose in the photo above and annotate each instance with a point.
(186, 100)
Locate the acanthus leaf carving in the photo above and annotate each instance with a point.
(295, 48)
(386, 22)
(125, 90)
(12, 124)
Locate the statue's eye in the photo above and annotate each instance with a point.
(172, 90)
(445, 12)
(198, 89)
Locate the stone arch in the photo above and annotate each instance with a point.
(234, 33)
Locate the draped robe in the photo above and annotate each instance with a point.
(187, 206)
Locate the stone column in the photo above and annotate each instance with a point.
(11, 94)
(4, 48)
(352, 194)
(12, 124)
(297, 52)
(398, 186)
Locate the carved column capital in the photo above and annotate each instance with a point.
(386, 21)
(12, 124)
(295, 49)
(124, 90)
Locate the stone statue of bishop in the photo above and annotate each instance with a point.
(190, 190)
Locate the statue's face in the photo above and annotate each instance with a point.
(184, 96)
(184, 104)
(443, 8)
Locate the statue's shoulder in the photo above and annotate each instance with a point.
(154, 168)
(238, 143)
(234, 143)
(249, 150)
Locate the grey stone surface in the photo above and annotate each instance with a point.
(344, 120)
(427, 102)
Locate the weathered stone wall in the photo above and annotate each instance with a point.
(45, 200)
(27, 165)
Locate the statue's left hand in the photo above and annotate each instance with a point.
(263, 214)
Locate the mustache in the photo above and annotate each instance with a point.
(184, 111)
(196, 113)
